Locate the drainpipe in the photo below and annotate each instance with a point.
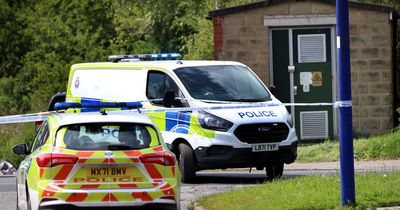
(395, 75)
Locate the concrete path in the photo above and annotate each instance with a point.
(378, 165)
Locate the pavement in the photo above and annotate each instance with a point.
(376, 165)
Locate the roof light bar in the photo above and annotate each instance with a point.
(97, 104)
(162, 56)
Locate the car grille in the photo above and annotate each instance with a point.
(262, 132)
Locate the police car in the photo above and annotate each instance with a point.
(215, 114)
(107, 159)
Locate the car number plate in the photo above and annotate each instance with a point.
(265, 147)
(108, 171)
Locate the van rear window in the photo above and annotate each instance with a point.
(106, 136)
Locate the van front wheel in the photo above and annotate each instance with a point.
(274, 171)
(187, 163)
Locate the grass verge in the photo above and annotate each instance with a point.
(385, 146)
(310, 192)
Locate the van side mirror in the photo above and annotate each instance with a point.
(21, 149)
(169, 98)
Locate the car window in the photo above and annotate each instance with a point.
(41, 136)
(157, 84)
(106, 136)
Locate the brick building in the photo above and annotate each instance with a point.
(276, 37)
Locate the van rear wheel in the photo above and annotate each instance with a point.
(187, 163)
(274, 171)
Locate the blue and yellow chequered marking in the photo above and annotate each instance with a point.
(173, 121)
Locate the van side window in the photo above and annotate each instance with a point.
(157, 84)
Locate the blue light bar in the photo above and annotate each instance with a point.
(97, 104)
(162, 56)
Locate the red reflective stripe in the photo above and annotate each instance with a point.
(112, 197)
(77, 197)
(173, 170)
(90, 186)
(112, 160)
(49, 191)
(41, 170)
(83, 156)
(131, 153)
(109, 197)
(135, 160)
(158, 149)
(167, 190)
(127, 185)
(106, 198)
(142, 195)
(64, 172)
(153, 172)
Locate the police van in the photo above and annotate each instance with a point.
(213, 114)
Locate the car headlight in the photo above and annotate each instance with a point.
(290, 120)
(212, 122)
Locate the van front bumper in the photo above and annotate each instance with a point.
(221, 157)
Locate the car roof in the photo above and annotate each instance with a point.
(165, 64)
(124, 116)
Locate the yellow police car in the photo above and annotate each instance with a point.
(97, 159)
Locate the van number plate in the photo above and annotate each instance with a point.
(265, 147)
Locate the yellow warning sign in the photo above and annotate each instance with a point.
(317, 78)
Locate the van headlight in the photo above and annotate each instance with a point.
(212, 122)
(290, 120)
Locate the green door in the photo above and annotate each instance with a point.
(308, 54)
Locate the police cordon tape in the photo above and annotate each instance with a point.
(41, 116)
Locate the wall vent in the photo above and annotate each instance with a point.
(314, 125)
(312, 48)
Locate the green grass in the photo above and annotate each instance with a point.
(385, 146)
(310, 192)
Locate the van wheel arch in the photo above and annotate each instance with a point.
(187, 160)
(175, 146)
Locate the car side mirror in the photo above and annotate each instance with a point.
(21, 149)
(169, 98)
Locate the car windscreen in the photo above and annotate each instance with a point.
(222, 83)
(106, 136)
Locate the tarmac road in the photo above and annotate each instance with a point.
(211, 182)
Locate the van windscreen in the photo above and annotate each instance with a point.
(222, 83)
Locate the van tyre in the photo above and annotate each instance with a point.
(187, 163)
(274, 171)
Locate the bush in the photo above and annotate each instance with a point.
(11, 135)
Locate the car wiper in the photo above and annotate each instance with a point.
(120, 147)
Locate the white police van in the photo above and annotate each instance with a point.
(214, 114)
